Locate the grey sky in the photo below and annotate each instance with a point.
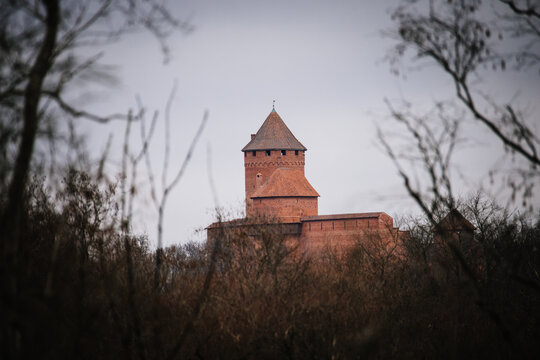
(322, 61)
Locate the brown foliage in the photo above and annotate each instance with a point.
(265, 299)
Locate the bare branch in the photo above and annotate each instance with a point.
(528, 11)
(167, 136)
(189, 153)
(81, 113)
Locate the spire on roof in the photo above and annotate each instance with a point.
(273, 105)
(274, 135)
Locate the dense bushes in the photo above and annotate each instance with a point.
(87, 290)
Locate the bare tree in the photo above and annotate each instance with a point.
(39, 63)
(468, 41)
(426, 148)
(129, 187)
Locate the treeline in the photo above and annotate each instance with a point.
(87, 289)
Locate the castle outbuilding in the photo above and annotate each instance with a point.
(276, 188)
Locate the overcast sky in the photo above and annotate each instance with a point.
(323, 63)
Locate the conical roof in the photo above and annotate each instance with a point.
(286, 182)
(274, 135)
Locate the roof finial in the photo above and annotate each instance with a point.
(273, 105)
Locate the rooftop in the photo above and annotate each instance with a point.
(454, 221)
(286, 182)
(366, 215)
(274, 135)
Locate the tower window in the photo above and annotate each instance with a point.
(296, 152)
(268, 152)
(254, 153)
(283, 152)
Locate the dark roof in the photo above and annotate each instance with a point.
(286, 182)
(274, 135)
(454, 221)
(367, 215)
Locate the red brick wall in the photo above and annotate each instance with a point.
(341, 235)
(347, 225)
(287, 209)
(265, 165)
(337, 236)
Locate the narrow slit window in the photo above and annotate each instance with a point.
(283, 152)
(254, 153)
(296, 152)
(268, 152)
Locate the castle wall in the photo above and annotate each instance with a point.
(316, 238)
(265, 165)
(287, 209)
(340, 235)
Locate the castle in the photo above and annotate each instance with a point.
(276, 187)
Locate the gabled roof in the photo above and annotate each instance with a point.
(454, 221)
(274, 135)
(285, 182)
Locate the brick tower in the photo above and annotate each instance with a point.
(274, 173)
(276, 186)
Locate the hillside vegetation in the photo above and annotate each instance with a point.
(87, 290)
